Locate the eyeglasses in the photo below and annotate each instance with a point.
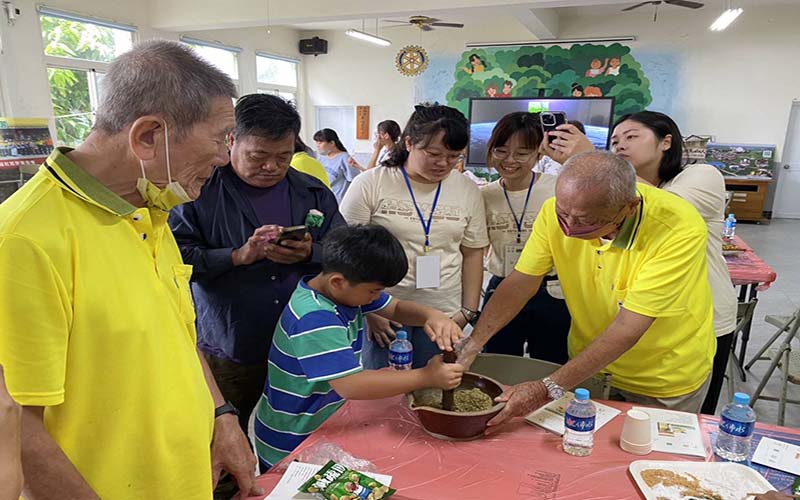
(437, 157)
(503, 154)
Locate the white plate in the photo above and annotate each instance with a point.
(729, 480)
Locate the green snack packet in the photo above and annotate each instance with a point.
(337, 482)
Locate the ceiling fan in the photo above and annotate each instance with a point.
(678, 3)
(425, 23)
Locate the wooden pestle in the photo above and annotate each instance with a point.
(447, 395)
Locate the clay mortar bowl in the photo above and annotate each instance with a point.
(455, 426)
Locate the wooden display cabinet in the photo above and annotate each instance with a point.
(748, 197)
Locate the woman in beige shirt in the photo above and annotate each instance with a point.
(512, 205)
(438, 216)
(653, 144)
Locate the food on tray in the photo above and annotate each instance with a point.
(464, 400)
(337, 482)
(687, 484)
(698, 481)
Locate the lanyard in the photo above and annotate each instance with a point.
(518, 221)
(426, 226)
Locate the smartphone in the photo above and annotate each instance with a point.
(296, 233)
(551, 120)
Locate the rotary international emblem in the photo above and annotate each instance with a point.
(411, 60)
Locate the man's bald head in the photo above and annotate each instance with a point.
(602, 179)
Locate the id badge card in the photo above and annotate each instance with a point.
(429, 270)
(512, 253)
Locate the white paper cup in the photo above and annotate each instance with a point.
(637, 434)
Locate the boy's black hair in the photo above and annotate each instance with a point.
(364, 254)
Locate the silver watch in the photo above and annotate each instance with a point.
(554, 390)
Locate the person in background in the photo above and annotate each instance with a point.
(302, 161)
(118, 403)
(512, 204)
(386, 134)
(632, 265)
(315, 360)
(333, 156)
(438, 216)
(11, 478)
(242, 277)
(653, 144)
(560, 145)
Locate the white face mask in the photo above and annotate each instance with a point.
(171, 195)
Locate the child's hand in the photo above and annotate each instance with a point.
(443, 375)
(443, 330)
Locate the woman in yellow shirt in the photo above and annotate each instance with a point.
(302, 161)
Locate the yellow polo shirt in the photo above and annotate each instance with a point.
(656, 266)
(303, 162)
(97, 326)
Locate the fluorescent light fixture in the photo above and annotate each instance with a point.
(368, 38)
(553, 42)
(725, 20)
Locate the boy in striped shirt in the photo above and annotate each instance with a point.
(315, 359)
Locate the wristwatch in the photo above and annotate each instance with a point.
(226, 407)
(470, 315)
(554, 391)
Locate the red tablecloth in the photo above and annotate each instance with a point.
(747, 268)
(523, 461)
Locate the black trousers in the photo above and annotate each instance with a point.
(724, 347)
(544, 323)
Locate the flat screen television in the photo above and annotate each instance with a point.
(596, 114)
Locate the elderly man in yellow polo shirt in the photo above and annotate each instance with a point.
(97, 329)
(631, 261)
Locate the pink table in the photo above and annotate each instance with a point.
(522, 461)
(752, 275)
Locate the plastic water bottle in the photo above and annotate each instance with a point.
(401, 352)
(730, 227)
(579, 425)
(736, 426)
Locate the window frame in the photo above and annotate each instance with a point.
(77, 64)
(275, 88)
(236, 51)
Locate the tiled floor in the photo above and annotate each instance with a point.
(778, 244)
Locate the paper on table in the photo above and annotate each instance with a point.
(676, 432)
(778, 455)
(551, 416)
(298, 473)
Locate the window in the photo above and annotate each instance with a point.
(224, 57)
(277, 75)
(77, 53)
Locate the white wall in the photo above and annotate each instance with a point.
(359, 73)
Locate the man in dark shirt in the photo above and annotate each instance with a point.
(242, 278)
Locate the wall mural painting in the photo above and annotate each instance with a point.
(579, 70)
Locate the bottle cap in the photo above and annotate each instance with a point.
(581, 394)
(402, 335)
(731, 216)
(741, 398)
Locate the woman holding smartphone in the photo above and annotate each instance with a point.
(437, 214)
(512, 204)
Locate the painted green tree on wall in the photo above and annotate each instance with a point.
(585, 70)
(70, 88)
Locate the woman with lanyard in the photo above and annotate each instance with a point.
(653, 144)
(512, 204)
(437, 214)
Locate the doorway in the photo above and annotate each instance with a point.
(787, 193)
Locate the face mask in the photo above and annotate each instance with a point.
(171, 195)
(580, 232)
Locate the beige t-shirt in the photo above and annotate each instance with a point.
(380, 196)
(704, 187)
(500, 220)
